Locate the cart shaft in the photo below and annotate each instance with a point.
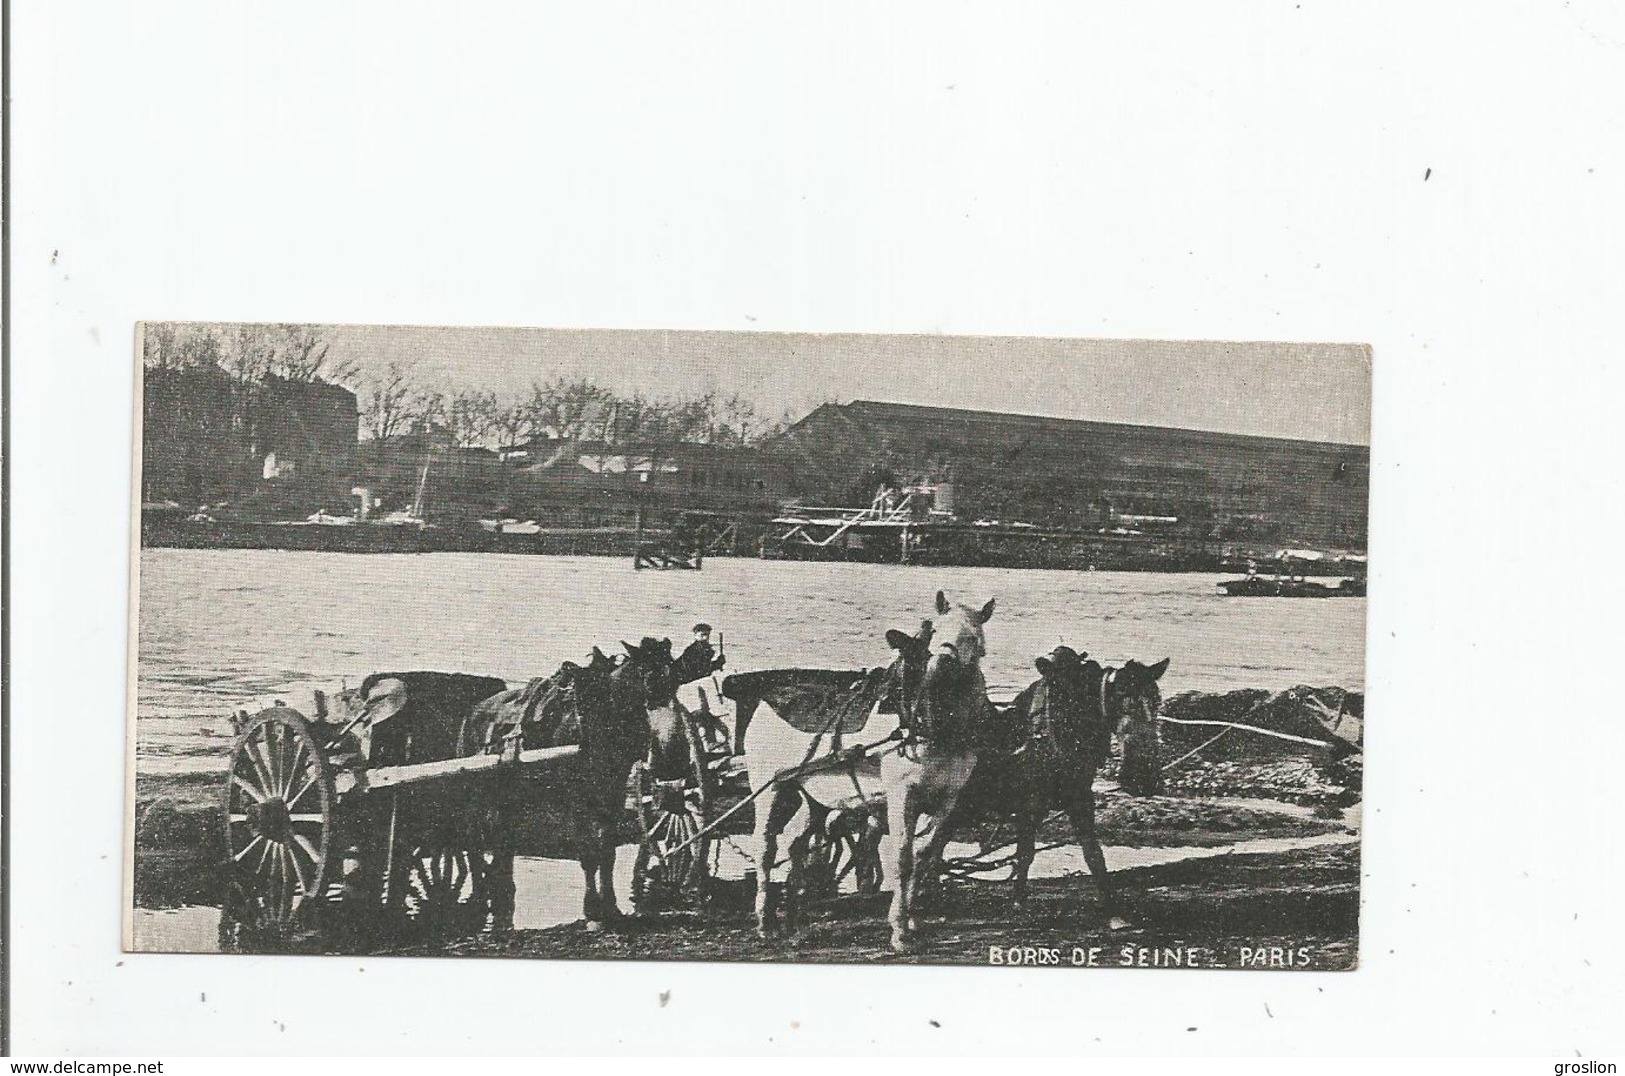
(540, 758)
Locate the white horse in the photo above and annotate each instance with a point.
(931, 701)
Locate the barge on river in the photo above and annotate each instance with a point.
(1288, 581)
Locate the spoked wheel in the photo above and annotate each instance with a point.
(846, 845)
(445, 892)
(435, 883)
(672, 866)
(279, 826)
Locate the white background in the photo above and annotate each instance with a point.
(1202, 170)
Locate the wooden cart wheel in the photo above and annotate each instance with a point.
(443, 889)
(846, 844)
(279, 802)
(670, 815)
(435, 882)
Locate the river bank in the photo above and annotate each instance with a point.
(1262, 911)
(961, 545)
(1253, 845)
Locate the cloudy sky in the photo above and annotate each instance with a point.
(1312, 391)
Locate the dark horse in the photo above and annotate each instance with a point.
(1065, 721)
(606, 708)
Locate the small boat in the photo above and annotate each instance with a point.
(1279, 586)
(510, 526)
(1287, 580)
(319, 518)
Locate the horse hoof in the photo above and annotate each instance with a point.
(913, 925)
(1117, 922)
(594, 927)
(900, 944)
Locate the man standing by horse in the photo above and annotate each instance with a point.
(698, 661)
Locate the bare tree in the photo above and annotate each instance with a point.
(567, 409)
(158, 345)
(385, 402)
(167, 346)
(247, 354)
(632, 418)
(513, 423)
(471, 416)
(300, 354)
(426, 408)
(735, 418)
(693, 420)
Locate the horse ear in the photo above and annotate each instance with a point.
(1158, 669)
(987, 611)
(942, 603)
(665, 648)
(630, 649)
(898, 640)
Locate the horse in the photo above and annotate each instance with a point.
(930, 703)
(938, 755)
(1067, 717)
(606, 707)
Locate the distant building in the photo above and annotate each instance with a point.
(192, 448)
(458, 483)
(305, 431)
(587, 482)
(1090, 476)
(208, 439)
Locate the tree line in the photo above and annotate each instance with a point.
(247, 353)
(398, 399)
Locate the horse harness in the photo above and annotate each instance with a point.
(1045, 731)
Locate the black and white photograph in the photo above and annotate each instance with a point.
(738, 646)
(544, 528)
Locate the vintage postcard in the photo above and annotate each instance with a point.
(748, 646)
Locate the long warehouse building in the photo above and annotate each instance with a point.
(1089, 476)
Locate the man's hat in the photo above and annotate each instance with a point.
(384, 700)
(698, 628)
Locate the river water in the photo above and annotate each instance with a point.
(222, 630)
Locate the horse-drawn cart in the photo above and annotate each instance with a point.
(344, 818)
(398, 809)
(392, 810)
(695, 805)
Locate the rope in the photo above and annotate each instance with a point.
(1250, 728)
(1223, 733)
